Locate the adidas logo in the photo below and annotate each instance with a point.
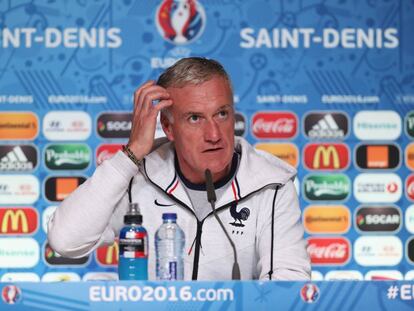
(15, 160)
(326, 128)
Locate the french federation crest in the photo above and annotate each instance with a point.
(180, 21)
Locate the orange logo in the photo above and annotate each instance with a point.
(18, 125)
(409, 156)
(377, 156)
(326, 219)
(285, 151)
(108, 255)
(18, 221)
(65, 186)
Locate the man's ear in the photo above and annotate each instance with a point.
(167, 126)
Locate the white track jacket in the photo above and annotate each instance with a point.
(259, 209)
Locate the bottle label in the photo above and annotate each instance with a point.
(133, 247)
(173, 270)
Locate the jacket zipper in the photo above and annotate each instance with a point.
(200, 223)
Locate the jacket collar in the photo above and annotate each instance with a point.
(257, 169)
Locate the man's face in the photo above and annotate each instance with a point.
(202, 128)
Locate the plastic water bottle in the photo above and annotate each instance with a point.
(169, 249)
(133, 247)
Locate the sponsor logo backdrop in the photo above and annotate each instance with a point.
(325, 85)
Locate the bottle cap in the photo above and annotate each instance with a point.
(169, 216)
(133, 216)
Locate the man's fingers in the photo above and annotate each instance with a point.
(151, 96)
(137, 93)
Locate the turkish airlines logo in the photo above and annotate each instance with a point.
(329, 251)
(67, 125)
(108, 255)
(377, 156)
(54, 259)
(326, 156)
(378, 219)
(272, 125)
(409, 187)
(377, 125)
(332, 125)
(326, 219)
(59, 188)
(378, 250)
(18, 126)
(17, 158)
(114, 125)
(106, 151)
(285, 151)
(18, 221)
(378, 188)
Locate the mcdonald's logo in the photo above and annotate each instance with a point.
(18, 221)
(108, 255)
(326, 156)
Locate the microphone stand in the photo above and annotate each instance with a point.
(211, 197)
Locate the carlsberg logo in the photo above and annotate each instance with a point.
(326, 187)
(67, 156)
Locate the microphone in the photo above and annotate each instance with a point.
(211, 197)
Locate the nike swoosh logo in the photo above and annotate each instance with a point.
(160, 204)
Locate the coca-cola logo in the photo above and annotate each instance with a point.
(409, 186)
(106, 151)
(329, 251)
(267, 125)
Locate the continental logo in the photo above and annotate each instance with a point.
(18, 126)
(379, 157)
(58, 188)
(326, 156)
(18, 221)
(108, 255)
(378, 219)
(324, 187)
(54, 259)
(67, 156)
(409, 156)
(17, 158)
(327, 219)
(286, 151)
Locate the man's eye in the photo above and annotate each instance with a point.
(194, 118)
(223, 114)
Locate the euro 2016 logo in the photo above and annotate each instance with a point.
(180, 21)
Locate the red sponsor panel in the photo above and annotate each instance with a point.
(18, 221)
(272, 125)
(108, 255)
(329, 251)
(106, 151)
(326, 156)
(409, 187)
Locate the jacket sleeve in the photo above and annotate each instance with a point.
(290, 258)
(83, 221)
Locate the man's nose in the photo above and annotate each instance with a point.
(212, 132)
